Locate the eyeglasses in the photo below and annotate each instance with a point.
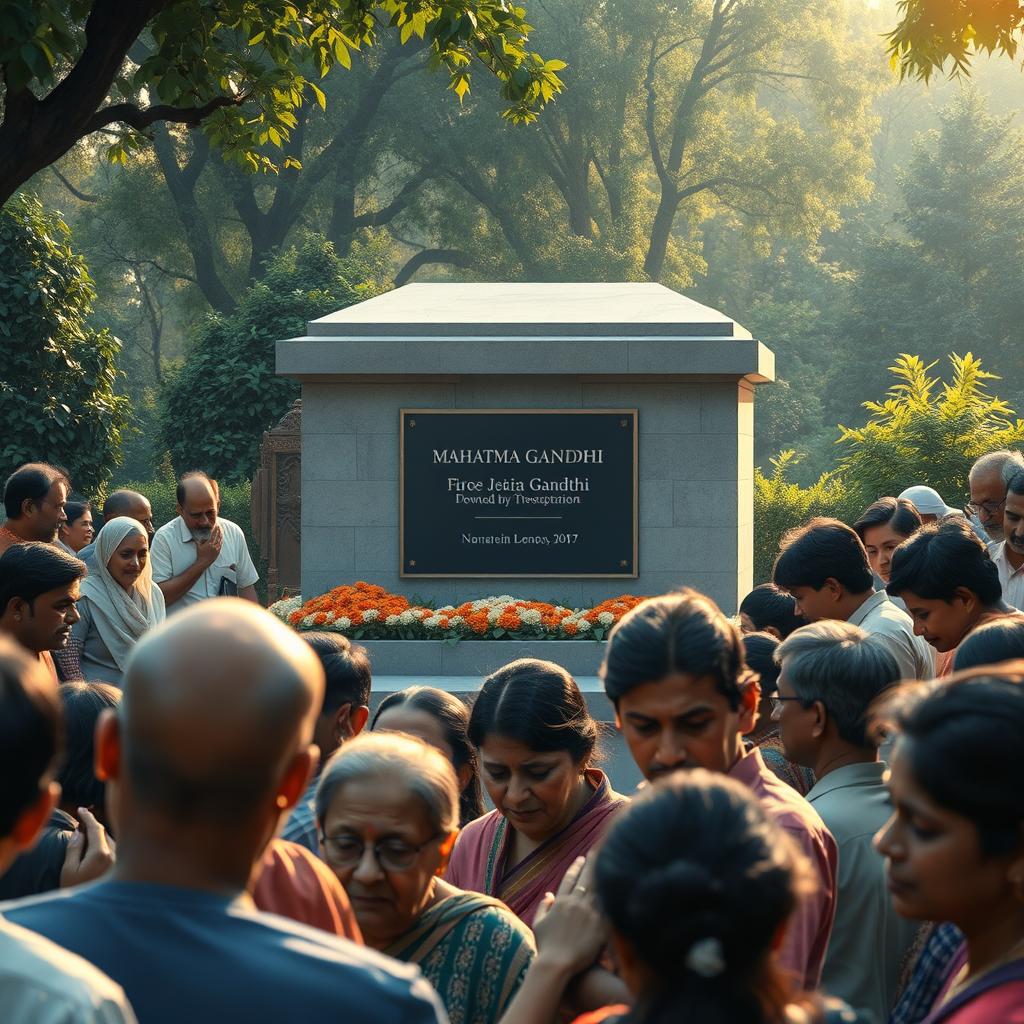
(347, 851)
(988, 507)
(778, 703)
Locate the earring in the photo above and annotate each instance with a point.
(281, 801)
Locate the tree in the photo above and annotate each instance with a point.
(216, 407)
(948, 276)
(672, 114)
(241, 69)
(931, 33)
(57, 375)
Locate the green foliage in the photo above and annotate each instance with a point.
(244, 68)
(927, 432)
(216, 407)
(57, 375)
(932, 32)
(779, 505)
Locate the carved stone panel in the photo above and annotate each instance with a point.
(277, 504)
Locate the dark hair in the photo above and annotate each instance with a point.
(30, 731)
(1015, 485)
(696, 859)
(842, 667)
(28, 570)
(83, 703)
(759, 650)
(679, 632)
(194, 474)
(346, 668)
(767, 605)
(31, 482)
(964, 750)
(822, 549)
(941, 557)
(537, 703)
(453, 717)
(75, 508)
(990, 644)
(899, 513)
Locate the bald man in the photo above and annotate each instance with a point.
(198, 554)
(210, 747)
(121, 503)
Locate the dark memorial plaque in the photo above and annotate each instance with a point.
(519, 492)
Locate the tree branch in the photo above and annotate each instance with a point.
(396, 206)
(452, 257)
(84, 196)
(139, 118)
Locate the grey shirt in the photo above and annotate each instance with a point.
(40, 983)
(95, 660)
(893, 628)
(869, 939)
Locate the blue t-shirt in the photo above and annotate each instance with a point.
(182, 955)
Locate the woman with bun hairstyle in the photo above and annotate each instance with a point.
(537, 742)
(693, 885)
(442, 720)
(954, 846)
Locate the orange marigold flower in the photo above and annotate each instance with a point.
(571, 629)
(509, 620)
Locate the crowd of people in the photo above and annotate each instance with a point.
(203, 820)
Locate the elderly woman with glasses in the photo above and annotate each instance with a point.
(388, 810)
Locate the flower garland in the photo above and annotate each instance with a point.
(364, 611)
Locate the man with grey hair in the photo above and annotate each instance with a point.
(830, 672)
(988, 479)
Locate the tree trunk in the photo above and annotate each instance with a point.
(181, 184)
(661, 230)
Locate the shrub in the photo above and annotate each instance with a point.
(57, 375)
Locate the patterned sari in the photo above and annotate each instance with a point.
(479, 860)
(474, 952)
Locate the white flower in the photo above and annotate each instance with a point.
(370, 614)
(343, 622)
(606, 618)
(479, 606)
(432, 621)
(706, 957)
(308, 621)
(406, 617)
(530, 616)
(419, 613)
(392, 620)
(456, 620)
(583, 625)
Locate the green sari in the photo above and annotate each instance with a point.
(473, 950)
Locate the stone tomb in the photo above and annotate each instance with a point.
(682, 374)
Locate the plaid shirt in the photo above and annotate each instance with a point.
(301, 825)
(928, 976)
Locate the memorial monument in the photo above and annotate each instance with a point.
(564, 442)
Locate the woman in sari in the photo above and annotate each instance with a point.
(954, 846)
(536, 741)
(119, 602)
(387, 810)
(949, 584)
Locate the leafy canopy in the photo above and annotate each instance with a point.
(931, 33)
(241, 68)
(57, 375)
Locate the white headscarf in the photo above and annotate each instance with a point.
(120, 616)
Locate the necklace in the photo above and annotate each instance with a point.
(9, 533)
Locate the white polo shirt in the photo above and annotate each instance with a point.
(1012, 580)
(174, 550)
